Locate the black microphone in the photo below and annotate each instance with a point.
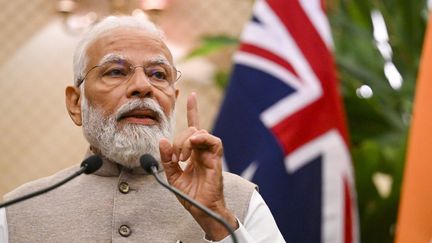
(149, 164)
(88, 166)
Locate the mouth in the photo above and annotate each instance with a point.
(140, 116)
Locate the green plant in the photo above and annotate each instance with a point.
(378, 125)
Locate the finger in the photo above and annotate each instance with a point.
(204, 141)
(172, 169)
(187, 147)
(207, 149)
(192, 111)
(179, 141)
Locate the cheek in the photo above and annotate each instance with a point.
(167, 103)
(107, 101)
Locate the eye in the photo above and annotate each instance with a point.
(157, 74)
(116, 72)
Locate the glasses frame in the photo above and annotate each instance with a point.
(80, 81)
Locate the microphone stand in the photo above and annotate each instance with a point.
(88, 166)
(203, 208)
(30, 195)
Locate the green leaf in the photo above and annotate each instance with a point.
(211, 44)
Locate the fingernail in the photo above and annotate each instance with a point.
(181, 157)
(174, 158)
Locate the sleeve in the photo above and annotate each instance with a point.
(3, 226)
(259, 225)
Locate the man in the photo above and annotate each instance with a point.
(124, 97)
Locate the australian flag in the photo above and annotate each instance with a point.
(282, 122)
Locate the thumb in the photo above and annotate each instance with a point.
(165, 150)
(172, 169)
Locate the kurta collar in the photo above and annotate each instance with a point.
(110, 168)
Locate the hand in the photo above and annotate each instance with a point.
(202, 177)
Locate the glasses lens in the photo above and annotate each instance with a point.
(160, 75)
(114, 73)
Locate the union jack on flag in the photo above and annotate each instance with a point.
(282, 122)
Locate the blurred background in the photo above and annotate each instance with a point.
(377, 45)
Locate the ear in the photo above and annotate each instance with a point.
(73, 104)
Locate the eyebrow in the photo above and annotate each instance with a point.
(113, 57)
(159, 60)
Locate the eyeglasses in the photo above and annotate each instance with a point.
(113, 73)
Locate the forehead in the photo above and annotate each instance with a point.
(134, 45)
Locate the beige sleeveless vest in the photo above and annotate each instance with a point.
(113, 205)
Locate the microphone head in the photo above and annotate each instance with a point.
(92, 164)
(147, 161)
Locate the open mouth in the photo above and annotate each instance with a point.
(139, 116)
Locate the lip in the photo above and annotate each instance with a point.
(139, 116)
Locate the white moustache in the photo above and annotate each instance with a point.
(146, 103)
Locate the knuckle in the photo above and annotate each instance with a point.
(192, 129)
(203, 131)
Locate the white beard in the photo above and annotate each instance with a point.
(125, 145)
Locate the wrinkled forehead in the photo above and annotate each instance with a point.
(132, 45)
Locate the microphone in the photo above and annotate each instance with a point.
(150, 165)
(88, 166)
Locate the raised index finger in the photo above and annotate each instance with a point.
(192, 111)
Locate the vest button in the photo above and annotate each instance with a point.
(124, 231)
(124, 187)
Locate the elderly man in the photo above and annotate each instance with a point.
(124, 97)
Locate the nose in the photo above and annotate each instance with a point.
(139, 84)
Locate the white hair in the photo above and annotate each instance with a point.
(104, 26)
